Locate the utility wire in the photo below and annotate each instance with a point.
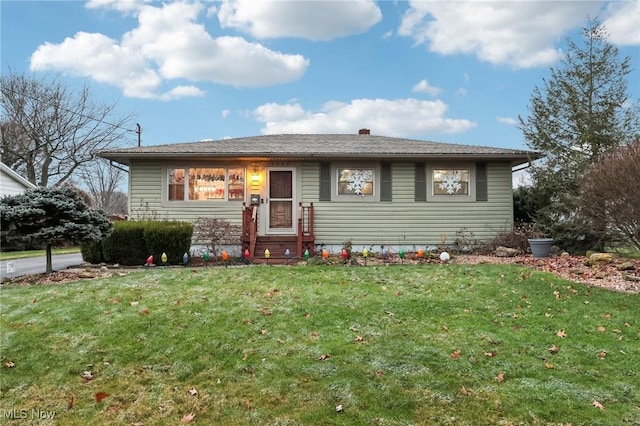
(138, 131)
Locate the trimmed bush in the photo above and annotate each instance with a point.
(126, 244)
(131, 243)
(172, 238)
(92, 252)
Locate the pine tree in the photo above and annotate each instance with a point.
(51, 216)
(581, 113)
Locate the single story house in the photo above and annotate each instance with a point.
(11, 183)
(300, 191)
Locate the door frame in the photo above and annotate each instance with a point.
(294, 210)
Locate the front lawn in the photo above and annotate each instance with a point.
(321, 345)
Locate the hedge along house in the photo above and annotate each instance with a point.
(297, 192)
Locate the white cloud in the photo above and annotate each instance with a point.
(225, 113)
(399, 117)
(623, 22)
(314, 20)
(424, 87)
(461, 91)
(119, 5)
(507, 120)
(520, 34)
(182, 92)
(168, 44)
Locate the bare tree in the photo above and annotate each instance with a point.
(49, 131)
(102, 182)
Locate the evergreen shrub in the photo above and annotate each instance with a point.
(170, 237)
(126, 244)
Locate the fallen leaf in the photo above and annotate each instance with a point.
(390, 313)
(307, 315)
(455, 354)
(601, 328)
(602, 354)
(557, 294)
(359, 339)
(263, 332)
(606, 316)
(100, 396)
(9, 364)
(144, 312)
(314, 335)
(70, 403)
(561, 333)
(134, 303)
(500, 377)
(554, 349)
(266, 311)
(379, 373)
(188, 418)
(597, 404)
(248, 321)
(490, 354)
(324, 357)
(193, 392)
(247, 404)
(464, 391)
(339, 408)
(548, 365)
(352, 328)
(87, 375)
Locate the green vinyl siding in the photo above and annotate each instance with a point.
(147, 199)
(402, 222)
(407, 222)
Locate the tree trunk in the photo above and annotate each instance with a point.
(49, 260)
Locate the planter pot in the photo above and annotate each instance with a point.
(541, 247)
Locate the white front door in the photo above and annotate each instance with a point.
(280, 200)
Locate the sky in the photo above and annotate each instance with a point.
(457, 72)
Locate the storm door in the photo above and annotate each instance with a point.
(281, 201)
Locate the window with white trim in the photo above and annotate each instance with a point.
(451, 182)
(355, 181)
(206, 183)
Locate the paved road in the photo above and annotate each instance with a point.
(37, 265)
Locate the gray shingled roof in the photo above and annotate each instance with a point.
(316, 147)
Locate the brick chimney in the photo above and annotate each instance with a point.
(364, 132)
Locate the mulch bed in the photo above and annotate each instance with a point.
(607, 276)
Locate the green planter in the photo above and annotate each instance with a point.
(540, 247)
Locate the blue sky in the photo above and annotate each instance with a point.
(444, 71)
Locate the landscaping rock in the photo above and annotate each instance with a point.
(502, 251)
(599, 259)
(86, 274)
(626, 266)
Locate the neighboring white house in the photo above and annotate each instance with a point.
(12, 183)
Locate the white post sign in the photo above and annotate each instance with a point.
(11, 267)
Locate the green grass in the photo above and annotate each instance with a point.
(250, 340)
(10, 255)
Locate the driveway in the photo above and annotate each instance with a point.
(38, 265)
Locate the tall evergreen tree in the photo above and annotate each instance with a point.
(580, 113)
